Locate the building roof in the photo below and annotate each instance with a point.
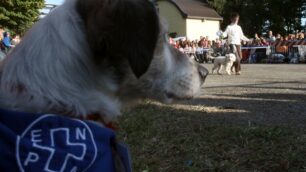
(196, 9)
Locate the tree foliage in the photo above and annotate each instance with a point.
(19, 15)
(262, 15)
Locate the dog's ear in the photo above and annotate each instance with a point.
(121, 29)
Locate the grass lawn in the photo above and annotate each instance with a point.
(163, 138)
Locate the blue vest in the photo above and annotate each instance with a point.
(52, 143)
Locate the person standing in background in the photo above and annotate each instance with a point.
(235, 36)
(7, 42)
(271, 38)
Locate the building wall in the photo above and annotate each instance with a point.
(175, 21)
(199, 27)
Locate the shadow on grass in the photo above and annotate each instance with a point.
(163, 138)
(220, 132)
(279, 109)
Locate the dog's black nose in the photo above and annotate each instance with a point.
(203, 72)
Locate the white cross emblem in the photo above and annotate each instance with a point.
(57, 148)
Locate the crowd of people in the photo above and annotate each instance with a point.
(184, 44)
(280, 43)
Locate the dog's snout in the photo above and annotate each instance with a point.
(203, 72)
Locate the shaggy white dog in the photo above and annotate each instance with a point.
(86, 60)
(224, 61)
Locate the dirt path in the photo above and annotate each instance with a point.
(264, 94)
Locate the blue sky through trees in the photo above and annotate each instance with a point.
(56, 2)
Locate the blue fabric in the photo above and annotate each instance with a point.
(40, 142)
(7, 42)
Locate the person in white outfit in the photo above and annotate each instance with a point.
(235, 36)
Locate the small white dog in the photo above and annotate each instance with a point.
(226, 61)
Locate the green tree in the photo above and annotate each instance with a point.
(19, 15)
(262, 15)
(285, 16)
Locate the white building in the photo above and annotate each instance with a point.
(191, 18)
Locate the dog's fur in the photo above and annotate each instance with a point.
(95, 56)
(224, 61)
